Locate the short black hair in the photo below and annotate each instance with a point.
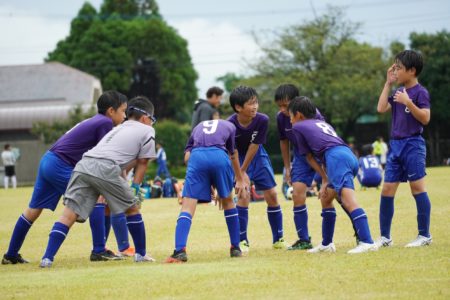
(303, 105)
(242, 94)
(215, 90)
(109, 99)
(366, 149)
(410, 59)
(7, 146)
(141, 103)
(286, 92)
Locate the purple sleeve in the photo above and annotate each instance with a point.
(300, 142)
(281, 132)
(261, 136)
(423, 99)
(230, 141)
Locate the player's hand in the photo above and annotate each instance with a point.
(391, 77)
(245, 178)
(138, 193)
(323, 193)
(241, 188)
(401, 96)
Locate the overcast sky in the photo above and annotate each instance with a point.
(218, 32)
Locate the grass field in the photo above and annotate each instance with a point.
(396, 273)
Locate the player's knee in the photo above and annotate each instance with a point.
(271, 197)
(133, 210)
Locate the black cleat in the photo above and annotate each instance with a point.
(179, 256)
(104, 256)
(235, 251)
(12, 260)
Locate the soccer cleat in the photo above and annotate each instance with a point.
(13, 260)
(129, 252)
(235, 252)
(143, 258)
(301, 245)
(46, 263)
(244, 246)
(104, 256)
(384, 242)
(321, 248)
(177, 257)
(420, 241)
(363, 247)
(280, 244)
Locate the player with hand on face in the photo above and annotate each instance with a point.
(251, 134)
(406, 161)
(315, 138)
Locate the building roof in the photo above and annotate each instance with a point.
(44, 92)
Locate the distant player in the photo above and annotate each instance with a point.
(211, 158)
(100, 171)
(369, 174)
(410, 105)
(315, 138)
(161, 160)
(56, 168)
(251, 134)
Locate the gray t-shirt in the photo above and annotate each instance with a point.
(203, 111)
(125, 143)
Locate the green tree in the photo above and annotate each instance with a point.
(130, 48)
(435, 76)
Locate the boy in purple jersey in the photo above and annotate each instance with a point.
(369, 174)
(315, 138)
(300, 174)
(100, 172)
(251, 134)
(211, 159)
(57, 164)
(410, 105)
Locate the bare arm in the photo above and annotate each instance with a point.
(251, 152)
(421, 114)
(139, 170)
(313, 163)
(383, 104)
(187, 154)
(286, 155)
(241, 185)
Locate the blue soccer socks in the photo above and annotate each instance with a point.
(423, 205)
(361, 223)
(137, 230)
(328, 223)
(275, 217)
(108, 226)
(232, 219)
(301, 222)
(182, 230)
(243, 222)
(386, 215)
(20, 232)
(119, 225)
(97, 223)
(56, 238)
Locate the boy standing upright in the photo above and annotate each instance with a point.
(99, 172)
(251, 134)
(410, 105)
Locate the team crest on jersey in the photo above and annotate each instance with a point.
(254, 134)
(407, 110)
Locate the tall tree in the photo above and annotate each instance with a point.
(132, 49)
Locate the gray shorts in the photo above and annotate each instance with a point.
(93, 177)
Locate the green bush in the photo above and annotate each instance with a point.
(173, 136)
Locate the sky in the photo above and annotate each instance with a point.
(219, 33)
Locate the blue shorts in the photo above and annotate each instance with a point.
(301, 171)
(370, 179)
(260, 170)
(208, 166)
(342, 167)
(51, 182)
(406, 160)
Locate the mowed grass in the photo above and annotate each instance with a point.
(396, 273)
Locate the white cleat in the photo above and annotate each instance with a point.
(321, 248)
(145, 258)
(420, 241)
(363, 247)
(245, 247)
(46, 263)
(384, 242)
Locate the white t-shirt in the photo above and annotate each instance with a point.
(8, 158)
(125, 143)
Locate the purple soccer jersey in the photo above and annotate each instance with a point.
(315, 136)
(214, 133)
(71, 146)
(284, 126)
(403, 122)
(254, 133)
